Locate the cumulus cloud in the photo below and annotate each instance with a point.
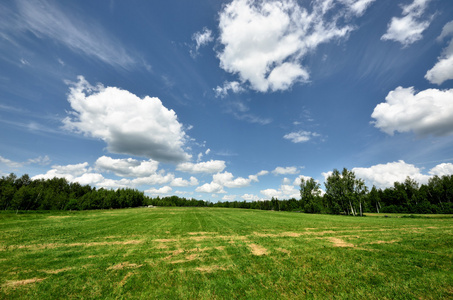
(211, 188)
(47, 20)
(426, 112)
(264, 42)
(128, 124)
(161, 191)
(180, 182)
(128, 167)
(229, 198)
(286, 191)
(212, 166)
(80, 173)
(300, 136)
(409, 28)
(442, 169)
(227, 179)
(385, 175)
(298, 179)
(250, 197)
(443, 69)
(286, 170)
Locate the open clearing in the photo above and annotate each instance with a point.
(205, 253)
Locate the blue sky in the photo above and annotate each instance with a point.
(226, 100)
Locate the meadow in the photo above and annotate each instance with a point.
(221, 253)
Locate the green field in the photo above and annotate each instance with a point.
(205, 253)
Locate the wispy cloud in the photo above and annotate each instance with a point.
(201, 38)
(47, 21)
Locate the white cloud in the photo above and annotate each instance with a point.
(10, 163)
(250, 197)
(227, 179)
(409, 28)
(427, 112)
(72, 173)
(286, 191)
(212, 166)
(442, 169)
(229, 198)
(127, 167)
(286, 170)
(89, 179)
(300, 136)
(46, 20)
(297, 180)
(357, 7)
(180, 182)
(201, 38)
(155, 179)
(161, 191)
(385, 175)
(233, 86)
(128, 124)
(271, 193)
(41, 160)
(264, 42)
(210, 188)
(443, 69)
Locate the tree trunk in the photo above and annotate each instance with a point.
(360, 203)
(352, 209)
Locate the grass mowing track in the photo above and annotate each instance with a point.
(205, 253)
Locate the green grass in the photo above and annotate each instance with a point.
(205, 253)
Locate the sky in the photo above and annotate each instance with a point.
(226, 100)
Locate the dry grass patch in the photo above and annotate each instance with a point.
(257, 249)
(56, 271)
(165, 240)
(124, 280)
(211, 269)
(383, 242)
(201, 233)
(16, 283)
(284, 251)
(124, 265)
(187, 258)
(58, 217)
(339, 242)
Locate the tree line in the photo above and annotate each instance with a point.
(23, 193)
(344, 194)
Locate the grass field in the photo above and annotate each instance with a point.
(205, 253)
